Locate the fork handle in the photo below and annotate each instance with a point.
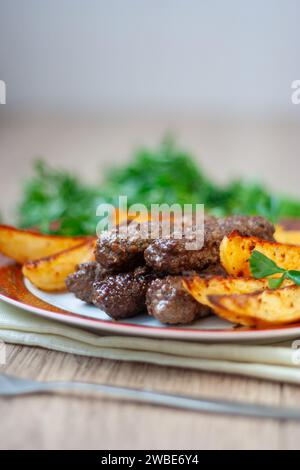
(169, 400)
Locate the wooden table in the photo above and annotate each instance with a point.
(74, 422)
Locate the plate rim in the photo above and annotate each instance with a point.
(14, 274)
(153, 331)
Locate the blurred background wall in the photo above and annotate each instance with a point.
(89, 80)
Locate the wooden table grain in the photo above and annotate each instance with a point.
(89, 422)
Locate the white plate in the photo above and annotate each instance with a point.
(65, 307)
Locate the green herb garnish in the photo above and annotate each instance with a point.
(56, 201)
(262, 266)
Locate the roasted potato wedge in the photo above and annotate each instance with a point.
(260, 309)
(290, 237)
(236, 250)
(25, 245)
(49, 273)
(120, 217)
(201, 288)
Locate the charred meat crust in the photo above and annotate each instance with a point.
(172, 255)
(120, 252)
(122, 295)
(256, 226)
(81, 282)
(170, 303)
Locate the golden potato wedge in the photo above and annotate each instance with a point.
(25, 245)
(201, 288)
(260, 309)
(49, 273)
(290, 237)
(236, 250)
(119, 217)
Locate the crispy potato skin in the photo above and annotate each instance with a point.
(227, 298)
(290, 237)
(50, 273)
(261, 309)
(236, 250)
(25, 245)
(202, 288)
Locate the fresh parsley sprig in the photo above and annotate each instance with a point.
(57, 201)
(262, 266)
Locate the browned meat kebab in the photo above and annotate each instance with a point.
(120, 295)
(123, 295)
(119, 253)
(213, 270)
(122, 253)
(255, 226)
(172, 255)
(81, 282)
(169, 302)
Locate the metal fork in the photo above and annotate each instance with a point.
(11, 386)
